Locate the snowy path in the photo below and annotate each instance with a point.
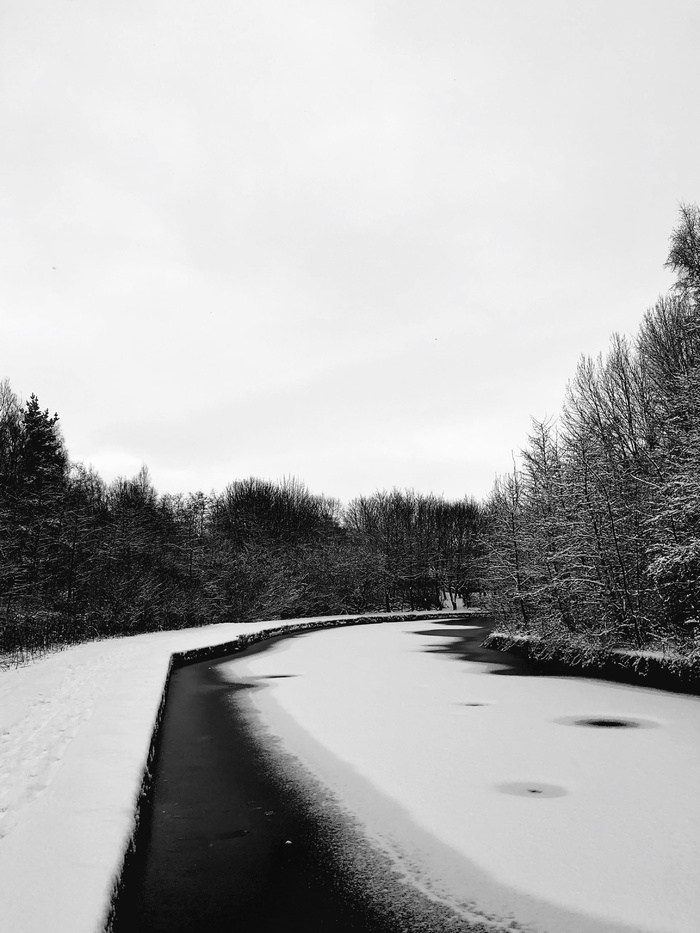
(484, 788)
(75, 731)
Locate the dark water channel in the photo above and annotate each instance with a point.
(232, 843)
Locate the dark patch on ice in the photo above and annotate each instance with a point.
(607, 722)
(466, 643)
(532, 789)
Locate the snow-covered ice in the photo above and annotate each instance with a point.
(384, 722)
(610, 837)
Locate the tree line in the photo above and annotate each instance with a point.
(592, 541)
(82, 559)
(594, 538)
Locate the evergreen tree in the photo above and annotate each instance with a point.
(43, 460)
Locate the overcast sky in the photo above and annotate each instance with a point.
(356, 241)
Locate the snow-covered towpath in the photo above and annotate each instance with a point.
(564, 804)
(75, 732)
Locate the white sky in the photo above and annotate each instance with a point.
(358, 242)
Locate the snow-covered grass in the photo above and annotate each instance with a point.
(485, 788)
(75, 734)
(669, 666)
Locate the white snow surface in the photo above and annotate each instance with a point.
(75, 731)
(383, 719)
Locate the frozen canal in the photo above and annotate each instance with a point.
(561, 803)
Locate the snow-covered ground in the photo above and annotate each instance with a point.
(484, 788)
(75, 731)
(385, 723)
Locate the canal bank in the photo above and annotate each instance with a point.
(658, 670)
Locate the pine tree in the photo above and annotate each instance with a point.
(43, 459)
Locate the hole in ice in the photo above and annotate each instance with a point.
(607, 722)
(532, 789)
